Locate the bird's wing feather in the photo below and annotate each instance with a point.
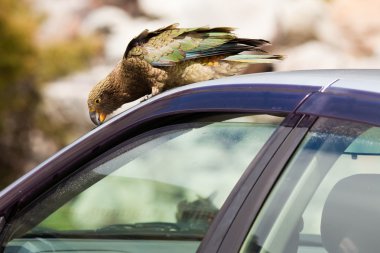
(252, 58)
(169, 45)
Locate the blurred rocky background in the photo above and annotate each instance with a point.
(53, 51)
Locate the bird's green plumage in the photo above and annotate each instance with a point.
(170, 45)
(169, 57)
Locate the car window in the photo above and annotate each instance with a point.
(158, 192)
(328, 197)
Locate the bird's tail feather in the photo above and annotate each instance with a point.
(254, 58)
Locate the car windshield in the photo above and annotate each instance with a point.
(165, 185)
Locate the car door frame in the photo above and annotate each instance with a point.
(331, 102)
(264, 173)
(164, 110)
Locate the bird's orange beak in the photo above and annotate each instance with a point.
(97, 117)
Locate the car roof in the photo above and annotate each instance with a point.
(357, 79)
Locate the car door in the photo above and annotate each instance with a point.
(168, 176)
(325, 196)
(156, 192)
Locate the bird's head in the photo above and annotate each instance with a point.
(103, 99)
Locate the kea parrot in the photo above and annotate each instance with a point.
(170, 57)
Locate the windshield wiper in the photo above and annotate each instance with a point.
(148, 230)
(150, 226)
(154, 229)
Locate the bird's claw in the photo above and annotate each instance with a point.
(146, 97)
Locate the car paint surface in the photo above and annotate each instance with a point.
(343, 94)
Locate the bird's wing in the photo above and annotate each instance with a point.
(169, 45)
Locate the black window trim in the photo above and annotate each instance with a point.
(220, 231)
(269, 162)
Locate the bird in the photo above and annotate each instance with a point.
(169, 57)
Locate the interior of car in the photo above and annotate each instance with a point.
(326, 199)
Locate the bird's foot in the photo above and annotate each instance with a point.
(146, 97)
(157, 88)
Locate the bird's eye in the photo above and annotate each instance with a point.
(97, 101)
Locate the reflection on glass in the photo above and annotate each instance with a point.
(331, 176)
(150, 182)
(165, 185)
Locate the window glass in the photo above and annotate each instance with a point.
(156, 193)
(328, 198)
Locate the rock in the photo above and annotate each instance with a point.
(298, 20)
(312, 55)
(359, 25)
(104, 17)
(65, 99)
(251, 18)
(61, 18)
(120, 28)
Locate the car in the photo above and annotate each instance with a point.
(270, 162)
